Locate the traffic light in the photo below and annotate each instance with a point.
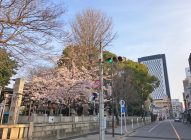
(120, 59)
(109, 60)
(114, 59)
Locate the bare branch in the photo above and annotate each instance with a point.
(29, 25)
(92, 27)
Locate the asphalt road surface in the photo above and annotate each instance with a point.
(164, 130)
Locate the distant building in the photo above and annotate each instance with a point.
(177, 107)
(189, 61)
(187, 92)
(188, 74)
(161, 96)
(157, 66)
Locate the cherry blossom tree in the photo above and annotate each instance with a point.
(62, 85)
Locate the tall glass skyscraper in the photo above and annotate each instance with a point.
(157, 66)
(161, 96)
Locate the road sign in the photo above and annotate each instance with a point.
(123, 110)
(122, 103)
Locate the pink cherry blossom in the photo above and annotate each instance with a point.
(63, 85)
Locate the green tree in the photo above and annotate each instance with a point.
(141, 80)
(7, 68)
(133, 84)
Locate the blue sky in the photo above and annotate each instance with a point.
(147, 27)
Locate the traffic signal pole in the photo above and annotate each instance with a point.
(101, 100)
(112, 94)
(112, 61)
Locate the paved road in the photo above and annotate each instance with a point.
(164, 130)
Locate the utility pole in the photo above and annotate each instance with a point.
(101, 100)
(112, 94)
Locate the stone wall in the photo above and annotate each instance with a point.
(78, 126)
(52, 131)
(58, 127)
(62, 127)
(54, 119)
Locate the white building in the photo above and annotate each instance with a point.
(177, 107)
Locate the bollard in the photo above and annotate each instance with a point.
(132, 123)
(138, 122)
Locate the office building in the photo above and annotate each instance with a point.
(177, 108)
(161, 96)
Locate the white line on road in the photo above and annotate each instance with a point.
(175, 131)
(154, 127)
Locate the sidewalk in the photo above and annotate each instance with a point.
(108, 133)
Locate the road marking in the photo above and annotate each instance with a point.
(175, 131)
(154, 127)
(132, 134)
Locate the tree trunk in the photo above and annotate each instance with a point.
(1, 98)
(116, 113)
(0, 90)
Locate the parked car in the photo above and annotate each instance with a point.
(177, 120)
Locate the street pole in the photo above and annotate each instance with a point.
(112, 94)
(101, 100)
